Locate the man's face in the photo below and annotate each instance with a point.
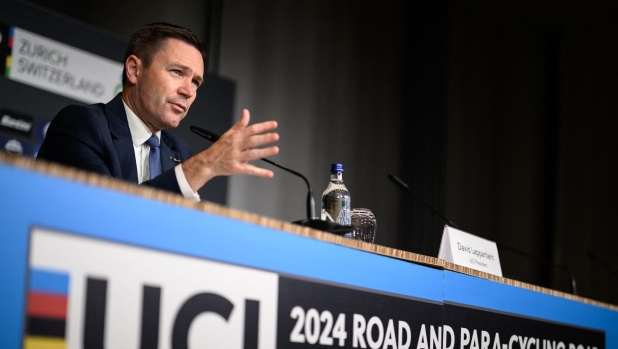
(166, 89)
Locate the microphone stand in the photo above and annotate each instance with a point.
(312, 220)
(563, 268)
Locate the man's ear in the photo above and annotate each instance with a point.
(133, 66)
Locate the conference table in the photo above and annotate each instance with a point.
(91, 262)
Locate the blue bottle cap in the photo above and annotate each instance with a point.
(334, 168)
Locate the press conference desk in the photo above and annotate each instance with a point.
(90, 262)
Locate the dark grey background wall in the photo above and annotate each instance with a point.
(502, 115)
(531, 135)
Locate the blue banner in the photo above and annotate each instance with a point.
(142, 271)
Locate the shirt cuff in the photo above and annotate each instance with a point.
(185, 188)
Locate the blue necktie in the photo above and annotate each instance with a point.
(154, 160)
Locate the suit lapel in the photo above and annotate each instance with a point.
(126, 157)
(121, 135)
(167, 153)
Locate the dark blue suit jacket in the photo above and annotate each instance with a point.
(97, 138)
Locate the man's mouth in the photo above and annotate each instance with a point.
(179, 107)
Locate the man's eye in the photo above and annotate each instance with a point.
(176, 71)
(195, 83)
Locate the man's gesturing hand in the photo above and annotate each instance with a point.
(232, 152)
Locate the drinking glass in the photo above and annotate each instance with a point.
(364, 224)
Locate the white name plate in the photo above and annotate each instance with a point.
(470, 251)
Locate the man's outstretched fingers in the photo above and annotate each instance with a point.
(255, 154)
(233, 151)
(260, 128)
(259, 140)
(257, 171)
(243, 122)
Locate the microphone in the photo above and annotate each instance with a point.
(563, 268)
(401, 184)
(312, 220)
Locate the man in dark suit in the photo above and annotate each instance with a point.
(126, 138)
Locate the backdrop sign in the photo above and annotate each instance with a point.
(479, 328)
(313, 314)
(87, 267)
(14, 146)
(79, 297)
(59, 68)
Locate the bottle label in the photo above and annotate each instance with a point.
(336, 204)
(344, 215)
(337, 211)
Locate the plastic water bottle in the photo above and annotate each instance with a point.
(336, 198)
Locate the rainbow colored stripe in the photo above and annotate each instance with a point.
(47, 310)
(7, 69)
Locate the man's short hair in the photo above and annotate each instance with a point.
(147, 40)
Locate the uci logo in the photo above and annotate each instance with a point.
(94, 322)
(150, 299)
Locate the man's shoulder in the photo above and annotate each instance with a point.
(93, 112)
(75, 111)
(87, 123)
(77, 116)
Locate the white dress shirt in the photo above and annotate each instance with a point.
(140, 134)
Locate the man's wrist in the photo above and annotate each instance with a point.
(197, 171)
(183, 184)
